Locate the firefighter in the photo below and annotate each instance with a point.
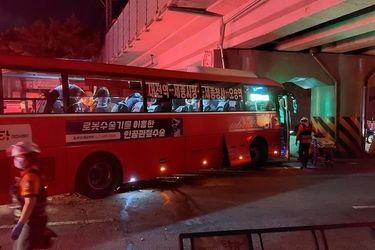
(30, 192)
(304, 136)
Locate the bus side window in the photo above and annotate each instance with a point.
(185, 105)
(158, 105)
(132, 103)
(209, 105)
(221, 106)
(25, 91)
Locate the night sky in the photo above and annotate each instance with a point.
(91, 13)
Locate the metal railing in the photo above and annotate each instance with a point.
(135, 18)
(244, 239)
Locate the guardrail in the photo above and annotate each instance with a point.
(134, 19)
(278, 238)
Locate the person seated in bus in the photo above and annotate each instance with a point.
(55, 98)
(221, 106)
(165, 105)
(159, 105)
(209, 105)
(178, 105)
(232, 105)
(102, 100)
(86, 103)
(152, 105)
(132, 103)
(190, 105)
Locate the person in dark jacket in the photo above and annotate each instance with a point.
(304, 136)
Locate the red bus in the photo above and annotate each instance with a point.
(101, 125)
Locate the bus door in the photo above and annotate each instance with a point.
(286, 104)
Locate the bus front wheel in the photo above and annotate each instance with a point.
(258, 153)
(98, 176)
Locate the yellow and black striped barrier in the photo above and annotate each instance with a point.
(348, 141)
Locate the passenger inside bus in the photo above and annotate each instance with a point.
(185, 105)
(209, 105)
(133, 102)
(55, 99)
(159, 105)
(86, 104)
(102, 100)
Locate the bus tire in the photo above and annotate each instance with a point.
(258, 153)
(98, 175)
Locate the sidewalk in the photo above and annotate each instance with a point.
(338, 164)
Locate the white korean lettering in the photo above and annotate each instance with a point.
(162, 132)
(86, 126)
(150, 123)
(155, 133)
(127, 134)
(134, 134)
(95, 126)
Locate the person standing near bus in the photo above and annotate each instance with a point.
(30, 193)
(304, 136)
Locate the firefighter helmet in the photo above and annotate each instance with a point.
(304, 119)
(22, 148)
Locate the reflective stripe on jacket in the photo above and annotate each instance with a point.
(31, 185)
(304, 133)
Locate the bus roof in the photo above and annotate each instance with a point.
(84, 67)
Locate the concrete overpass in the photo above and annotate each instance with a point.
(325, 47)
(174, 34)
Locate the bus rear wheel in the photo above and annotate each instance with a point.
(258, 153)
(98, 176)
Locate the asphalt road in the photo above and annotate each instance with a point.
(279, 195)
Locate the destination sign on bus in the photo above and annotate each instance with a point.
(164, 90)
(130, 129)
(217, 93)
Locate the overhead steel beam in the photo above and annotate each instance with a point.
(355, 43)
(274, 21)
(334, 32)
(370, 52)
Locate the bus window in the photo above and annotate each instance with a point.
(107, 94)
(258, 98)
(55, 102)
(226, 98)
(185, 98)
(27, 92)
(158, 97)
